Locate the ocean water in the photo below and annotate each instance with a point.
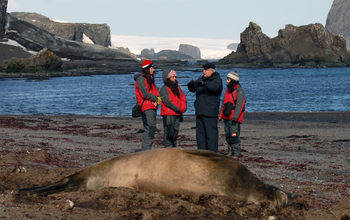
(267, 90)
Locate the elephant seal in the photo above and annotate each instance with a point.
(175, 171)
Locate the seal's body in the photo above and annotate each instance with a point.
(175, 171)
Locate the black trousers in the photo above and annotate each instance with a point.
(207, 134)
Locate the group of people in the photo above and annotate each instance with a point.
(208, 110)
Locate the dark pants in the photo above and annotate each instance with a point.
(171, 125)
(233, 137)
(207, 134)
(149, 126)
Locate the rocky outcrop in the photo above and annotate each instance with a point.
(3, 8)
(338, 20)
(36, 39)
(232, 46)
(44, 59)
(99, 34)
(310, 44)
(190, 50)
(163, 55)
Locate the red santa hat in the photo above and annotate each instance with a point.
(146, 63)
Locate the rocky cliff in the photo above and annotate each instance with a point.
(190, 50)
(302, 46)
(3, 8)
(338, 20)
(36, 39)
(99, 34)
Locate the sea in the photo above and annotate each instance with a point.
(267, 90)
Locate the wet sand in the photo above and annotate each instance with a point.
(307, 154)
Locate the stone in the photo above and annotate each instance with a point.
(99, 34)
(3, 9)
(294, 45)
(44, 59)
(190, 50)
(338, 20)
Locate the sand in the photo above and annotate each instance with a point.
(307, 154)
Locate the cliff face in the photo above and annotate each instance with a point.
(98, 33)
(190, 50)
(3, 8)
(34, 38)
(338, 20)
(293, 45)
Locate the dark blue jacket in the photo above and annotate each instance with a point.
(208, 95)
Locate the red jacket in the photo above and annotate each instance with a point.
(144, 94)
(237, 98)
(176, 105)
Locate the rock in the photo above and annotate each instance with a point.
(3, 8)
(173, 55)
(99, 34)
(69, 205)
(148, 53)
(163, 54)
(34, 38)
(190, 50)
(44, 59)
(338, 20)
(310, 44)
(232, 46)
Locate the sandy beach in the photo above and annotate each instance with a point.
(305, 153)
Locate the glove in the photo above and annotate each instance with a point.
(190, 86)
(199, 82)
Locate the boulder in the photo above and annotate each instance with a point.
(3, 8)
(338, 20)
(36, 39)
(44, 59)
(190, 50)
(99, 34)
(293, 45)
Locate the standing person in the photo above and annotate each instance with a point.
(147, 95)
(173, 106)
(208, 89)
(232, 111)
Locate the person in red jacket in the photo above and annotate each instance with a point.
(147, 95)
(232, 111)
(173, 106)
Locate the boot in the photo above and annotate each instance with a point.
(229, 152)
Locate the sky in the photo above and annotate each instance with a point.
(219, 19)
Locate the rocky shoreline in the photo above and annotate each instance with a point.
(303, 152)
(106, 67)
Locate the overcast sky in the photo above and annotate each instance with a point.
(218, 19)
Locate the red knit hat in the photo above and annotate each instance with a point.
(146, 63)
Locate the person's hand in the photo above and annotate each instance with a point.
(199, 82)
(190, 86)
(158, 101)
(220, 118)
(182, 110)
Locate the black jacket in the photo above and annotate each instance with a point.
(208, 91)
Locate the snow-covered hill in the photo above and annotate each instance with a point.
(210, 48)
